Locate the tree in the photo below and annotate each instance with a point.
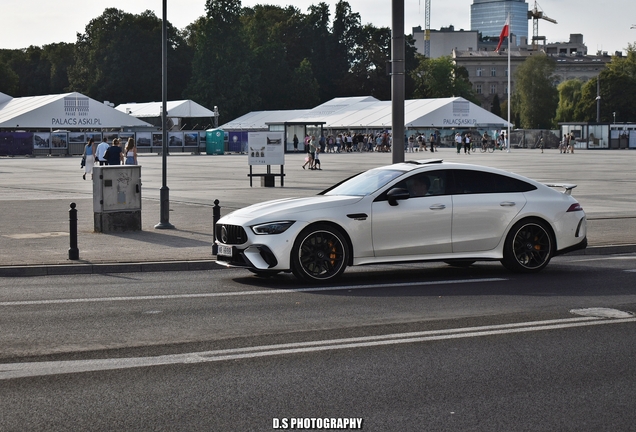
(616, 91)
(569, 98)
(223, 70)
(441, 78)
(119, 58)
(496, 106)
(537, 95)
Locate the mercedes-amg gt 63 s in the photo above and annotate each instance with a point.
(426, 210)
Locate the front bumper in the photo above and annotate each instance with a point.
(259, 257)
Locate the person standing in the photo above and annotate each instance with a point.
(131, 152)
(101, 151)
(432, 141)
(458, 142)
(114, 154)
(88, 158)
(295, 141)
(410, 145)
(467, 143)
(317, 160)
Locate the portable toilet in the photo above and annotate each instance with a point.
(214, 141)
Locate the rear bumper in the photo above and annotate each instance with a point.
(578, 246)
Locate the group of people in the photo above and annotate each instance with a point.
(313, 153)
(567, 143)
(105, 154)
(348, 142)
(420, 139)
(467, 142)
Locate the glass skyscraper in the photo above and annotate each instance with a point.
(489, 17)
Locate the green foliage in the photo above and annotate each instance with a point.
(496, 106)
(570, 93)
(119, 58)
(441, 78)
(537, 95)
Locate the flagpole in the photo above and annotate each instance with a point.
(509, 73)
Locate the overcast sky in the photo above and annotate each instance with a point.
(40, 22)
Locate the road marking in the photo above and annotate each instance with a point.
(607, 258)
(244, 293)
(32, 369)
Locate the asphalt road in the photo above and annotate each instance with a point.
(403, 347)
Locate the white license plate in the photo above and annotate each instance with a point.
(225, 250)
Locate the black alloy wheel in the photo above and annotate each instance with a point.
(320, 254)
(529, 247)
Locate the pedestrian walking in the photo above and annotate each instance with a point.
(88, 158)
(131, 152)
(458, 142)
(101, 151)
(467, 142)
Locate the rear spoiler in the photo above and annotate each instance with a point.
(567, 186)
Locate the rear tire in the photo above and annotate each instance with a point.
(529, 247)
(320, 254)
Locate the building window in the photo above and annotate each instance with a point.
(505, 90)
(478, 88)
(479, 72)
(493, 88)
(493, 72)
(506, 73)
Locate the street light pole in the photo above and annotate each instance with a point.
(397, 79)
(164, 192)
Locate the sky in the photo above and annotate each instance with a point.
(41, 22)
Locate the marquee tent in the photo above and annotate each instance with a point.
(176, 109)
(370, 113)
(62, 111)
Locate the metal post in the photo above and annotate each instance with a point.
(216, 215)
(73, 252)
(397, 79)
(164, 192)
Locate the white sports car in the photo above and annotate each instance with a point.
(426, 210)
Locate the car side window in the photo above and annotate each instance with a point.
(479, 182)
(430, 183)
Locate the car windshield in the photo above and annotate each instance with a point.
(366, 183)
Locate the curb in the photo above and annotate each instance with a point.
(104, 268)
(161, 266)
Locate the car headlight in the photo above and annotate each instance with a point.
(272, 227)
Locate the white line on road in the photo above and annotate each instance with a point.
(244, 293)
(22, 370)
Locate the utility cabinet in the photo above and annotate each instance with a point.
(117, 198)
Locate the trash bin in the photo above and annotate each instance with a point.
(268, 180)
(214, 141)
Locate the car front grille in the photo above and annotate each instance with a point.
(231, 234)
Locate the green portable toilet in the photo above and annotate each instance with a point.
(214, 143)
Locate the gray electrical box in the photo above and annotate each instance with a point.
(117, 198)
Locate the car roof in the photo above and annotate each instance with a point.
(432, 164)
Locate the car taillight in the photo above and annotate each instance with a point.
(575, 207)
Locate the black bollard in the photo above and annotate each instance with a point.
(73, 252)
(216, 215)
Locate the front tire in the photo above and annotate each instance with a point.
(320, 254)
(529, 247)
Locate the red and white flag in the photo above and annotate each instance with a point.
(505, 32)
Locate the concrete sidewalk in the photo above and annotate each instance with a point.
(35, 194)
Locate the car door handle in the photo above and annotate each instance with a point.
(507, 204)
(437, 207)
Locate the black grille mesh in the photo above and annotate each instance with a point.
(231, 234)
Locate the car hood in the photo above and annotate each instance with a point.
(290, 208)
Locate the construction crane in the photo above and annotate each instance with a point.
(427, 28)
(535, 15)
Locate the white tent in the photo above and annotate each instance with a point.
(176, 109)
(370, 113)
(62, 111)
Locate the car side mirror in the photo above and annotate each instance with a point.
(396, 194)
